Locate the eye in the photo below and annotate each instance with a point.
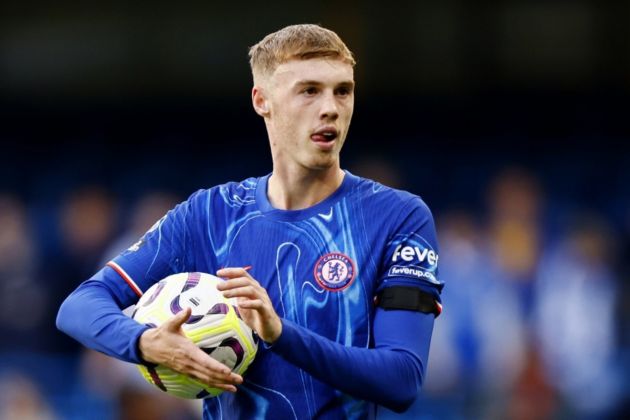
(309, 91)
(343, 91)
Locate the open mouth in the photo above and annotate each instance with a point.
(325, 135)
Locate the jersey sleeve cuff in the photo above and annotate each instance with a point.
(287, 337)
(134, 346)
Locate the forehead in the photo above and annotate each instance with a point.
(322, 70)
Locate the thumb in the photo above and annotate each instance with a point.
(176, 322)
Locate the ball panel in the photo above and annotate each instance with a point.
(160, 286)
(215, 326)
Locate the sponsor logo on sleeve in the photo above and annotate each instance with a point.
(418, 254)
(413, 272)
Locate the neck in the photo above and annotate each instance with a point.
(295, 190)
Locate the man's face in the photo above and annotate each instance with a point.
(310, 104)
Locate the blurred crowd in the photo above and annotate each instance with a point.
(536, 320)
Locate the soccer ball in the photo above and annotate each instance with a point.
(215, 325)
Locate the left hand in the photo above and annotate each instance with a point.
(253, 302)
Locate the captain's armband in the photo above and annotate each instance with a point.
(408, 298)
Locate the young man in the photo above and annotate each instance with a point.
(343, 285)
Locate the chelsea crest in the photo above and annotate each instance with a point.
(334, 271)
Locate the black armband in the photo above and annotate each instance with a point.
(408, 298)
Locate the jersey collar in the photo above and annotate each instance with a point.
(322, 207)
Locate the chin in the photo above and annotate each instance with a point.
(321, 161)
(323, 166)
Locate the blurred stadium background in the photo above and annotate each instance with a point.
(509, 118)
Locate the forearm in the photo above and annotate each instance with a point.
(91, 316)
(390, 374)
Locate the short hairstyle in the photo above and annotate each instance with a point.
(300, 42)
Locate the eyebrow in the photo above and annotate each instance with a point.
(346, 83)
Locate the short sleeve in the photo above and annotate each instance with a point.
(411, 252)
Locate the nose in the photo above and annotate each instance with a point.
(329, 110)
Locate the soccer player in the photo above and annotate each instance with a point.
(335, 273)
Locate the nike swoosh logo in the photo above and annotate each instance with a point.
(327, 217)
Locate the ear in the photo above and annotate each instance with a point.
(260, 102)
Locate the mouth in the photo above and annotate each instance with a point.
(325, 135)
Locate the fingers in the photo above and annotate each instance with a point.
(256, 307)
(251, 304)
(168, 346)
(245, 291)
(193, 362)
(233, 272)
(208, 381)
(216, 378)
(213, 378)
(213, 381)
(175, 323)
(238, 277)
(207, 363)
(236, 282)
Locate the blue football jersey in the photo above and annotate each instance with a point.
(321, 266)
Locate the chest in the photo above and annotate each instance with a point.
(317, 274)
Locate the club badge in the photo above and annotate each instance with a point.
(334, 271)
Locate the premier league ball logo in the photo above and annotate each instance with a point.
(334, 271)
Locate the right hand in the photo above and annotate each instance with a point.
(167, 345)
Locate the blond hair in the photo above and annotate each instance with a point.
(300, 42)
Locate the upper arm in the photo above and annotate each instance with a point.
(409, 262)
(411, 254)
(162, 251)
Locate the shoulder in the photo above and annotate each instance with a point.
(232, 194)
(387, 200)
(222, 201)
(238, 194)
